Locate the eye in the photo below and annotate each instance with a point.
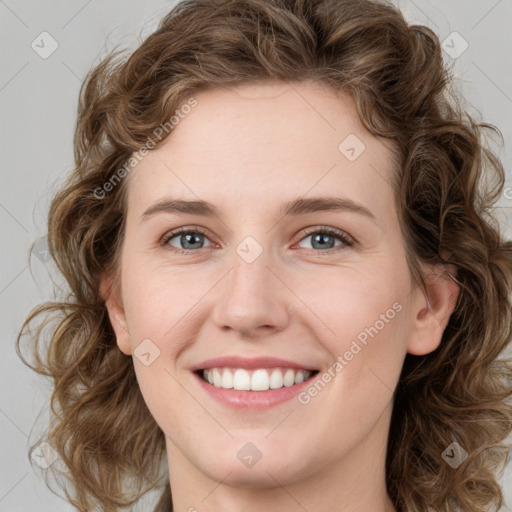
(189, 239)
(186, 239)
(325, 238)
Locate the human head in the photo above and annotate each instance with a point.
(396, 79)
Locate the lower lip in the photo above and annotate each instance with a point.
(254, 400)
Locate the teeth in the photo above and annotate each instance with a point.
(217, 379)
(227, 380)
(241, 380)
(299, 378)
(276, 379)
(254, 380)
(289, 378)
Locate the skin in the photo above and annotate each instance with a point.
(248, 150)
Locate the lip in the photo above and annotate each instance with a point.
(252, 400)
(250, 363)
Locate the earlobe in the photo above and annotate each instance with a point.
(113, 303)
(433, 309)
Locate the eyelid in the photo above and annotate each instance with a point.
(339, 233)
(348, 241)
(169, 235)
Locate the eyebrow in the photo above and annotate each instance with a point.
(299, 206)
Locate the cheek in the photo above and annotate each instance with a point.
(364, 328)
(350, 304)
(157, 299)
(159, 307)
(357, 388)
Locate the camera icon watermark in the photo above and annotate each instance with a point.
(249, 455)
(44, 45)
(44, 455)
(351, 147)
(507, 193)
(40, 250)
(454, 45)
(146, 352)
(249, 249)
(455, 455)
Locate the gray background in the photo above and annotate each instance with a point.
(38, 98)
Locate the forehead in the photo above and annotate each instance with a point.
(265, 141)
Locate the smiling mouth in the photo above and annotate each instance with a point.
(262, 379)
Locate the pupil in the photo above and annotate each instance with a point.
(190, 239)
(320, 238)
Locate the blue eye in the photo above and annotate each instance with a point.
(190, 239)
(324, 238)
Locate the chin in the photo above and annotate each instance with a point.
(260, 474)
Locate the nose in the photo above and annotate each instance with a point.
(253, 299)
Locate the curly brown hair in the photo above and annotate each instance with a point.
(446, 184)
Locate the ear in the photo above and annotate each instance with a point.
(112, 296)
(433, 308)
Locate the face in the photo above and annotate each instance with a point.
(299, 265)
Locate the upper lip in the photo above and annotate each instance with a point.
(249, 363)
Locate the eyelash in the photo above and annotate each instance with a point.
(347, 241)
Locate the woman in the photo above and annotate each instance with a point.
(286, 287)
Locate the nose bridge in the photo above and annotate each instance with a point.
(252, 296)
